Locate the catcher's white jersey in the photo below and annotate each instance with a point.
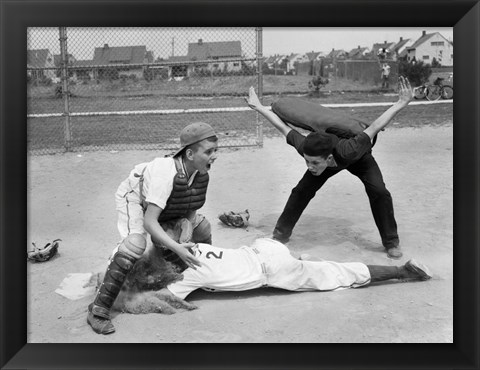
(158, 176)
(265, 263)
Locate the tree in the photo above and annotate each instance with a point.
(436, 63)
(417, 73)
(148, 74)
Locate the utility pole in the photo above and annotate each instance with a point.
(66, 93)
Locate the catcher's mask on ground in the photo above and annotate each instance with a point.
(45, 253)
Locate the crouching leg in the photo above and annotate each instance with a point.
(121, 263)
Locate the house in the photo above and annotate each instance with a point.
(270, 61)
(40, 64)
(310, 64)
(399, 50)
(293, 60)
(315, 55)
(83, 69)
(57, 60)
(178, 66)
(278, 60)
(431, 46)
(127, 60)
(329, 65)
(217, 56)
(208, 58)
(337, 54)
(277, 63)
(359, 53)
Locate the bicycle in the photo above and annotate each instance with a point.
(434, 91)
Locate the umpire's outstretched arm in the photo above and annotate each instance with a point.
(254, 103)
(405, 95)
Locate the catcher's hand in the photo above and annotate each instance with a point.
(235, 219)
(45, 253)
(180, 230)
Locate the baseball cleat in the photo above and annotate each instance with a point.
(394, 252)
(99, 324)
(418, 269)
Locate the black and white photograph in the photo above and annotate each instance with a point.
(178, 182)
(239, 185)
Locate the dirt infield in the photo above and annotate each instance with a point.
(70, 197)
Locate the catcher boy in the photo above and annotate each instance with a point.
(149, 201)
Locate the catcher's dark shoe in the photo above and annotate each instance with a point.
(394, 252)
(99, 325)
(418, 270)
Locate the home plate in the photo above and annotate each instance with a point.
(76, 286)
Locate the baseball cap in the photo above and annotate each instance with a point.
(318, 144)
(194, 133)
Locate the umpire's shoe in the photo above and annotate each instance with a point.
(394, 252)
(99, 324)
(417, 270)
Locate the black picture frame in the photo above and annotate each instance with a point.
(16, 16)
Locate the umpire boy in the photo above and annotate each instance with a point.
(326, 154)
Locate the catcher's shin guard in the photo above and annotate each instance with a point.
(115, 275)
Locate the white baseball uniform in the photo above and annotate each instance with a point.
(158, 176)
(266, 263)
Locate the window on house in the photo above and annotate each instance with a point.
(426, 57)
(437, 43)
(236, 64)
(215, 66)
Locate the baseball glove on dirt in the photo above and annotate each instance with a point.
(235, 219)
(45, 253)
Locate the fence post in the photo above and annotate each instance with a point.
(258, 31)
(66, 93)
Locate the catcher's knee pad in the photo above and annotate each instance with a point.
(133, 245)
(203, 232)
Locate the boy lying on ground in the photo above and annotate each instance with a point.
(266, 263)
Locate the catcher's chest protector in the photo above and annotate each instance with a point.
(185, 198)
(314, 117)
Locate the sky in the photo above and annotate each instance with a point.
(165, 42)
(302, 40)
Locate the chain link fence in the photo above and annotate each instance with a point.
(136, 88)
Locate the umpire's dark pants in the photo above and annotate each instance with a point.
(367, 170)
